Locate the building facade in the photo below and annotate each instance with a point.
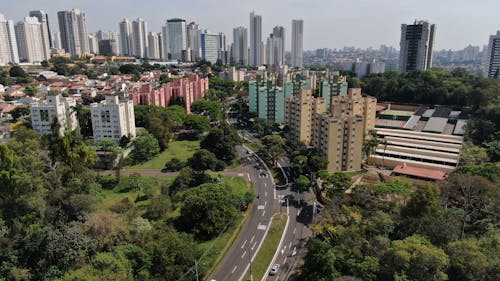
(493, 57)
(74, 34)
(176, 39)
(210, 47)
(43, 18)
(256, 53)
(416, 46)
(297, 43)
(44, 112)
(112, 119)
(30, 41)
(126, 37)
(239, 51)
(153, 45)
(140, 38)
(8, 42)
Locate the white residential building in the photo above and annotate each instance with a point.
(140, 38)
(93, 43)
(297, 43)
(43, 18)
(153, 45)
(29, 40)
(43, 112)
(112, 119)
(8, 42)
(74, 34)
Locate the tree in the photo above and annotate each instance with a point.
(319, 263)
(273, 147)
(299, 163)
(145, 147)
(208, 210)
(174, 165)
(17, 71)
(30, 90)
(19, 112)
(111, 151)
(417, 258)
(208, 108)
(472, 154)
(221, 142)
(204, 160)
(197, 122)
(303, 182)
(467, 261)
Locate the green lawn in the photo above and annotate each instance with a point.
(268, 249)
(179, 149)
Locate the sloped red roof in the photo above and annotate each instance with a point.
(419, 172)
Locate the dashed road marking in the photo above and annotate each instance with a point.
(244, 243)
(244, 253)
(261, 227)
(234, 269)
(263, 213)
(251, 240)
(260, 207)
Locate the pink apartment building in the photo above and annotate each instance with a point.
(189, 89)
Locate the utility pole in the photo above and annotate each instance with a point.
(314, 212)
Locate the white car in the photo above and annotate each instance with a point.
(274, 269)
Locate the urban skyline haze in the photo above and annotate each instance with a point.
(359, 23)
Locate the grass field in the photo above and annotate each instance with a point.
(268, 249)
(178, 149)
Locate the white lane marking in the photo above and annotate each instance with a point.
(284, 261)
(249, 179)
(265, 203)
(241, 174)
(244, 243)
(294, 229)
(251, 240)
(290, 245)
(265, 193)
(263, 213)
(274, 189)
(234, 269)
(260, 207)
(254, 244)
(244, 253)
(261, 227)
(265, 184)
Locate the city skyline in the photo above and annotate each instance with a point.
(345, 22)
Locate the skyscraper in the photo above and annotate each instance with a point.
(93, 43)
(56, 40)
(176, 38)
(297, 43)
(279, 45)
(8, 42)
(255, 40)
(153, 46)
(240, 45)
(210, 47)
(193, 41)
(140, 38)
(493, 57)
(29, 40)
(416, 46)
(43, 18)
(126, 37)
(74, 34)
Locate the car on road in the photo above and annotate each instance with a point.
(274, 269)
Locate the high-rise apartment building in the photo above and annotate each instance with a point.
(8, 42)
(140, 38)
(256, 50)
(336, 131)
(43, 18)
(93, 43)
(239, 51)
(493, 57)
(332, 85)
(108, 47)
(176, 39)
(43, 113)
(74, 34)
(277, 47)
(297, 43)
(126, 37)
(56, 40)
(153, 45)
(112, 119)
(29, 40)
(194, 41)
(416, 46)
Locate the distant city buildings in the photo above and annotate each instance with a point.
(210, 47)
(112, 119)
(493, 57)
(297, 43)
(175, 39)
(43, 18)
(54, 107)
(74, 33)
(239, 49)
(30, 41)
(416, 46)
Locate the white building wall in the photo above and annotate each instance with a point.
(112, 119)
(43, 112)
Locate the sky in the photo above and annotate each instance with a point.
(327, 23)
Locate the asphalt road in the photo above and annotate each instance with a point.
(236, 261)
(270, 201)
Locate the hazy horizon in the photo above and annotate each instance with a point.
(327, 24)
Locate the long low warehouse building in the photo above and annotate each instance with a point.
(418, 149)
